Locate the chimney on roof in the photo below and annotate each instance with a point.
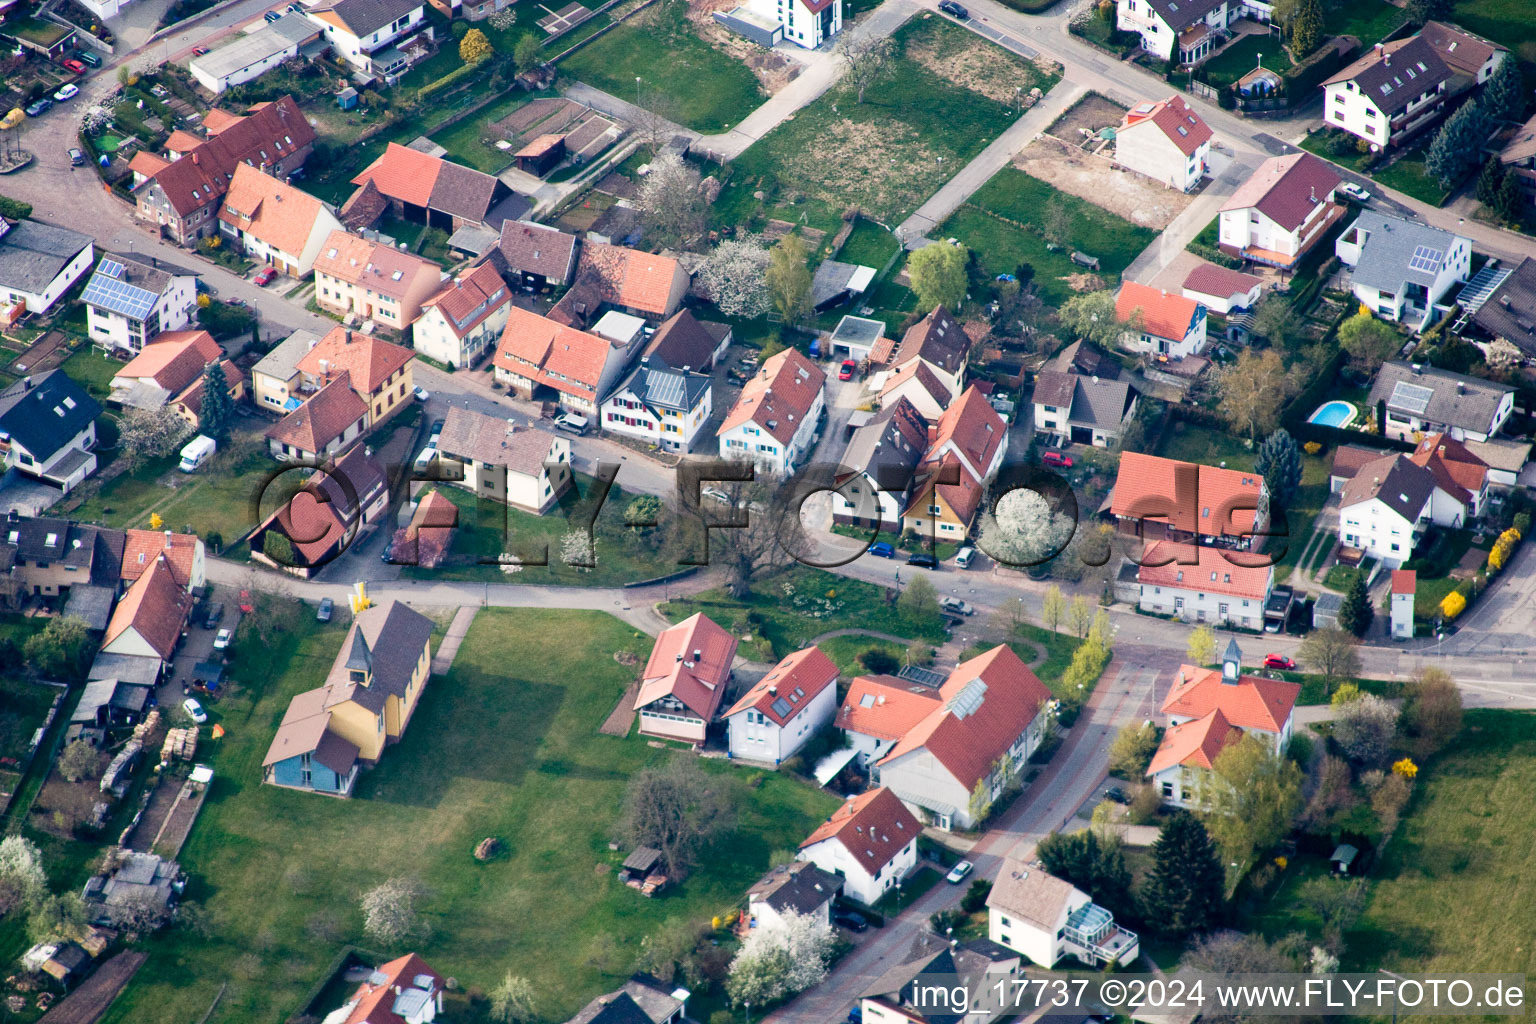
(1461, 387)
(349, 337)
(697, 654)
(1378, 48)
(773, 689)
(167, 540)
(1314, 193)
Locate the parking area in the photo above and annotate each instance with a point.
(197, 649)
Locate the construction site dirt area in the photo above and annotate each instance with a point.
(1089, 114)
(1138, 199)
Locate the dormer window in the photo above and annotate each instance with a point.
(357, 675)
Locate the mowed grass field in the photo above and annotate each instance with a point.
(988, 224)
(686, 79)
(504, 745)
(947, 95)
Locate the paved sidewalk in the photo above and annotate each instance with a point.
(442, 661)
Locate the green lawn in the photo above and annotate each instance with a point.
(698, 86)
(1013, 196)
(791, 607)
(93, 370)
(506, 745)
(487, 529)
(1504, 21)
(868, 245)
(845, 650)
(948, 94)
(1194, 443)
(1318, 143)
(1409, 177)
(1242, 57)
(1366, 20)
(469, 141)
(1454, 890)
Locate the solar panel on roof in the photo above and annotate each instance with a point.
(1410, 397)
(111, 268)
(119, 296)
(781, 707)
(1426, 258)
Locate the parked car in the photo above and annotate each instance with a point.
(850, 919)
(194, 710)
(882, 549)
(76, 158)
(1057, 459)
(87, 57)
(199, 51)
(421, 393)
(272, 16)
(437, 428)
(964, 557)
(1355, 192)
(265, 277)
(955, 606)
(323, 613)
(954, 10)
(39, 108)
(1116, 794)
(572, 422)
(237, 302)
(958, 872)
(215, 615)
(1279, 661)
(75, 66)
(845, 372)
(923, 560)
(67, 91)
(222, 638)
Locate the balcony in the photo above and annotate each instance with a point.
(1092, 933)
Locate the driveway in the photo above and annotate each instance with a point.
(197, 646)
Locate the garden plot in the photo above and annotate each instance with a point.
(567, 17)
(1135, 197)
(585, 131)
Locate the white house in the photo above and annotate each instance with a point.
(774, 421)
(1165, 324)
(38, 263)
(1405, 585)
(1389, 503)
(274, 222)
(461, 323)
(916, 382)
(493, 458)
(1422, 400)
(1222, 290)
(1281, 211)
(1186, 30)
(935, 971)
(1086, 410)
(1471, 58)
(659, 405)
(807, 23)
(538, 357)
(685, 679)
(937, 340)
(48, 429)
(1047, 918)
(1207, 709)
(1211, 590)
(784, 709)
(1166, 141)
(358, 30)
(882, 456)
(1401, 270)
(990, 719)
(870, 842)
(128, 300)
(1389, 94)
(800, 886)
(250, 55)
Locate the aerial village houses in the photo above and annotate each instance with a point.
(1156, 498)
(128, 302)
(148, 619)
(168, 372)
(49, 557)
(368, 34)
(879, 710)
(1282, 210)
(774, 719)
(425, 189)
(365, 703)
(806, 23)
(403, 991)
(48, 429)
(685, 679)
(1166, 141)
(1389, 502)
(1401, 270)
(321, 519)
(183, 190)
(534, 257)
(800, 886)
(641, 284)
(659, 405)
(870, 842)
(1221, 290)
(1420, 399)
(325, 425)
(775, 419)
(38, 263)
(248, 56)
(1047, 918)
(183, 554)
(1215, 589)
(1182, 30)
(882, 456)
(1389, 94)
(493, 458)
(541, 358)
(937, 341)
(1085, 410)
(274, 222)
(459, 324)
(373, 280)
(1507, 311)
(1159, 323)
(965, 451)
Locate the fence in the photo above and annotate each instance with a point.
(15, 814)
(615, 23)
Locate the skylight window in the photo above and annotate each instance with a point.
(866, 701)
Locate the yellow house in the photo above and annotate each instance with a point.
(943, 511)
(366, 703)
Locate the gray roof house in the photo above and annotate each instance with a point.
(1088, 410)
(642, 999)
(1424, 399)
(801, 887)
(38, 263)
(659, 404)
(48, 423)
(1508, 311)
(976, 967)
(881, 457)
(1402, 270)
(835, 283)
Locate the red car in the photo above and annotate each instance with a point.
(75, 66)
(1057, 459)
(265, 277)
(846, 372)
(1278, 661)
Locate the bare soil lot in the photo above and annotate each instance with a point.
(1091, 112)
(1138, 199)
(966, 60)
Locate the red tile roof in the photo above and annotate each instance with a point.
(1147, 485)
(403, 173)
(1176, 119)
(874, 827)
(780, 396)
(796, 680)
(1163, 314)
(368, 360)
(628, 277)
(426, 540)
(1253, 703)
(145, 547)
(1209, 279)
(1286, 189)
(963, 496)
(692, 662)
(375, 1002)
(381, 267)
(967, 740)
(174, 359)
(973, 429)
(470, 298)
(1195, 743)
(322, 419)
(1457, 471)
(313, 526)
(155, 607)
(562, 357)
(191, 397)
(270, 211)
(885, 707)
(1404, 581)
(1214, 573)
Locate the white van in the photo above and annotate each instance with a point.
(571, 421)
(964, 556)
(424, 460)
(197, 451)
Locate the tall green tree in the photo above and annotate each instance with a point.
(1182, 896)
(1279, 463)
(1511, 204)
(1356, 613)
(1369, 341)
(788, 279)
(1504, 93)
(1420, 11)
(1251, 796)
(1306, 28)
(218, 408)
(1094, 864)
(938, 275)
(1488, 181)
(1457, 145)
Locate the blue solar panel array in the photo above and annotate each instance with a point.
(108, 291)
(1426, 258)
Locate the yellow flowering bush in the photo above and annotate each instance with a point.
(1312, 447)
(1405, 768)
(1282, 862)
(1503, 548)
(1453, 604)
